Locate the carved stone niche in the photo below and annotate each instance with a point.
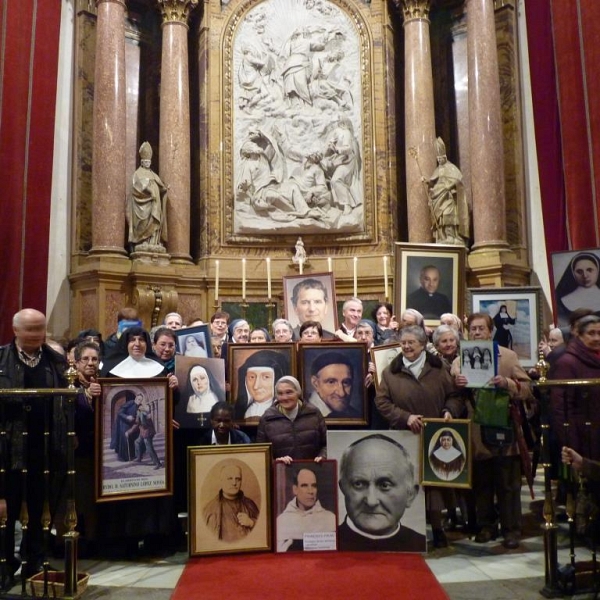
(293, 136)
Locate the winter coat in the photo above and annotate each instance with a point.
(303, 438)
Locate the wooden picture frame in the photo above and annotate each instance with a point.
(312, 526)
(267, 363)
(524, 323)
(351, 363)
(212, 474)
(134, 439)
(387, 447)
(446, 462)
(382, 356)
(198, 338)
(572, 291)
(193, 409)
(446, 292)
(310, 298)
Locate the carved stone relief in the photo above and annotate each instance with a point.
(297, 119)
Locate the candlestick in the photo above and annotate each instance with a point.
(355, 277)
(385, 277)
(301, 266)
(244, 279)
(269, 278)
(329, 264)
(216, 280)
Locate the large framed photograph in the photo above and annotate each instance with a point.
(253, 372)
(194, 341)
(576, 285)
(229, 499)
(430, 278)
(382, 356)
(517, 316)
(134, 439)
(332, 376)
(201, 385)
(310, 298)
(445, 453)
(379, 468)
(305, 495)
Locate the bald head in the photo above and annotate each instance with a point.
(29, 327)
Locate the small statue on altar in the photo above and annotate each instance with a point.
(300, 256)
(447, 203)
(146, 210)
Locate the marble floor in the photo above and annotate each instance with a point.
(466, 570)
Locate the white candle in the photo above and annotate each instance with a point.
(216, 280)
(301, 266)
(355, 277)
(385, 277)
(269, 278)
(329, 264)
(244, 279)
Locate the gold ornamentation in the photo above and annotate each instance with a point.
(415, 9)
(176, 11)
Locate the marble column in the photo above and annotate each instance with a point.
(485, 128)
(419, 117)
(175, 124)
(109, 185)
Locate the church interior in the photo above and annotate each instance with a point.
(289, 138)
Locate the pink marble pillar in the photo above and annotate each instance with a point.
(109, 186)
(419, 117)
(485, 128)
(175, 124)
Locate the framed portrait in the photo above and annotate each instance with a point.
(445, 453)
(382, 356)
(366, 456)
(253, 371)
(229, 499)
(478, 361)
(576, 285)
(332, 376)
(310, 298)
(431, 279)
(201, 385)
(305, 510)
(517, 316)
(134, 437)
(194, 341)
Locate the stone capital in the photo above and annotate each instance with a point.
(415, 9)
(176, 11)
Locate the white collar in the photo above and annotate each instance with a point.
(143, 368)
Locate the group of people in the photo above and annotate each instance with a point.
(423, 381)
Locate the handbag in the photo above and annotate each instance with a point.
(491, 407)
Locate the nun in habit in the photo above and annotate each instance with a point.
(446, 458)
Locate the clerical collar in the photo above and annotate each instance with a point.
(31, 360)
(368, 535)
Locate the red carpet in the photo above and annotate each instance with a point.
(316, 576)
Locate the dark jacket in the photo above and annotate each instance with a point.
(12, 375)
(576, 405)
(303, 438)
(401, 395)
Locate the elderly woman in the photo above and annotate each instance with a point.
(497, 464)
(296, 430)
(446, 341)
(259, 335)
(283, 331)
(165, 346)
(576, 406)
(311, 331)
(416, 385)
(453, 321)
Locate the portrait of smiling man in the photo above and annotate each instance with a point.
(377, 481)
(426, 298)
(310, 300)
